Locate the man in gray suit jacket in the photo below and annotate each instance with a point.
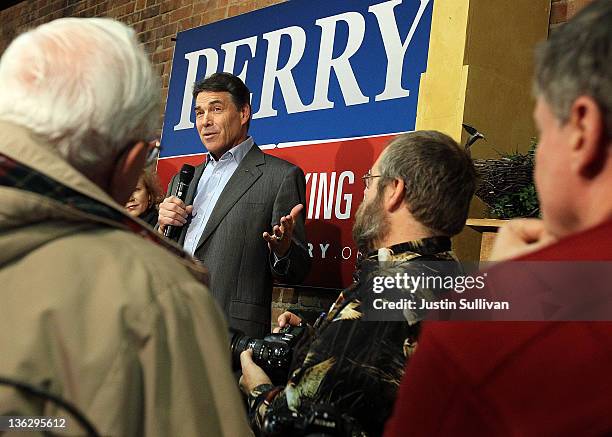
(237, 195)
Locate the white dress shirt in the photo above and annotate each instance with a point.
(214, 178)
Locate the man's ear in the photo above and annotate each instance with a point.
(394, 194)
(124, 176)
(245, 114)
(585, 128)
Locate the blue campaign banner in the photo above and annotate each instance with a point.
(331, 83)
(317, 70)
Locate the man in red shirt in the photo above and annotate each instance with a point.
(538, 378)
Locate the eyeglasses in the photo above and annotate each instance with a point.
(153, 154)
(366, 178)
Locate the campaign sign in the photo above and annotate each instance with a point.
(331, 83)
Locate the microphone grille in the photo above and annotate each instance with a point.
(186, 174)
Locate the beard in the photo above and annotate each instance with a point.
(370, 224)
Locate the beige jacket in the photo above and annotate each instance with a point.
(109, 321)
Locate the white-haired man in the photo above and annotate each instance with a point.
(92, 311)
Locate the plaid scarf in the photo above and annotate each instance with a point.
(17, 175)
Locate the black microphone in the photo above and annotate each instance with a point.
(185, 177)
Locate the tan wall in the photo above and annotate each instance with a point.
(479, 72)
(480, 68)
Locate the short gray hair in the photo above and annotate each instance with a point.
(576, 60)
(83, 84)
(439, 176)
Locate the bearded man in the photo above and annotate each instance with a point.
(416, 197)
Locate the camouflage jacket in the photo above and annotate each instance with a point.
(348, 362)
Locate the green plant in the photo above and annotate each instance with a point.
(506, 184)
(523, 203)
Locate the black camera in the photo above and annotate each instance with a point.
(320, 420)
(272, 353)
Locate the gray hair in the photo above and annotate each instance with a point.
(85, 85)
(439, 176)
(576, 61)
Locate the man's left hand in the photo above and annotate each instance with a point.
(252, 374)
(519, 237)
(279, 240)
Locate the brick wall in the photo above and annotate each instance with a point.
(563, 10)
(308, 302)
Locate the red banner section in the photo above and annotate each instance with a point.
(334, 190)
